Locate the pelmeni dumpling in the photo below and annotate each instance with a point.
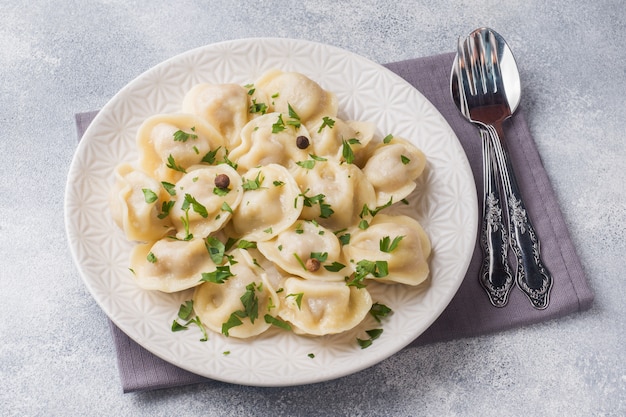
(171, 143)
(223, 106)
(393, 168)
(320, 308)
(307, 98)
(202, 206)
(170, 265)
(343, 141)
(216, 303)
(307, 250)
(407, 258)
(269, 139)
(135, 203)
(340, 187)
(269, 205)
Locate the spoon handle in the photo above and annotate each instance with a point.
(532, 277)
(495, 273)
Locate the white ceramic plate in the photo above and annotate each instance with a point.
(444, 202)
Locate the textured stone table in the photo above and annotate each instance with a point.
(60, 58)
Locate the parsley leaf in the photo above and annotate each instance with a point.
(219, 276)
(180, 136)
(279, 126)
(379, 311)
(298, 298)
(197, 207)
(326, 121)
(171, 164)
(275, 321)
(209, 158)
(215, 248)
(149, 195)
(387, 138)
(387, 245)
(169, 187)
(405, 160)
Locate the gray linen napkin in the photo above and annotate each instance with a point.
(469, 313)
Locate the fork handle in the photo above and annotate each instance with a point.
(495, 273)
(532, 277)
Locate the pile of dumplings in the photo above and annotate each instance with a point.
(264, 188)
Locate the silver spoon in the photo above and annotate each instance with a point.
(492, 90)
(495, 274)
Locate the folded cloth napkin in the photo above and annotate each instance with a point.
(469, 313)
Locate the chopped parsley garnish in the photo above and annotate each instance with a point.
(180, 136)
(326, 121)
(346, 151)
(226, 207)
(151, 258)
(373, 335)
(380, 311)
(169, 187)
(209, 158)
(295, 119)
(216, 249)
(255, 107)
(297, 297)
(334, 267)
(195, 205)
(219, 276)
(171, 164)
(275, 321)
(365, 269)
(279, 126)
(387, 138)
(387, 245)
(149, 195)
(255, 184)
(245, 244)
(250, 309)
(165, 209)
(185, 313)
(404, 159)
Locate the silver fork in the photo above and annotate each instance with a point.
(495, 273)
(487, 105)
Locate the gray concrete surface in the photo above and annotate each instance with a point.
(62, 57)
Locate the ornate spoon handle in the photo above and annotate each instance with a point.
(495, 273)
(532, 277)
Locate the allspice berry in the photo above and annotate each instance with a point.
(222, 181)
(312, 264)
(302, 142)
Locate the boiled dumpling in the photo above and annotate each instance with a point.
(399, 241)
(291, 89)
(269, 205)
(170, 265)
(343, 142)
(203, 205)
(223, 106)
(393, 168)
(136, 202)
(320, 308)
(334, 193)
(307, 250)
(217, 303)
(268, 139)
(171, 143)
